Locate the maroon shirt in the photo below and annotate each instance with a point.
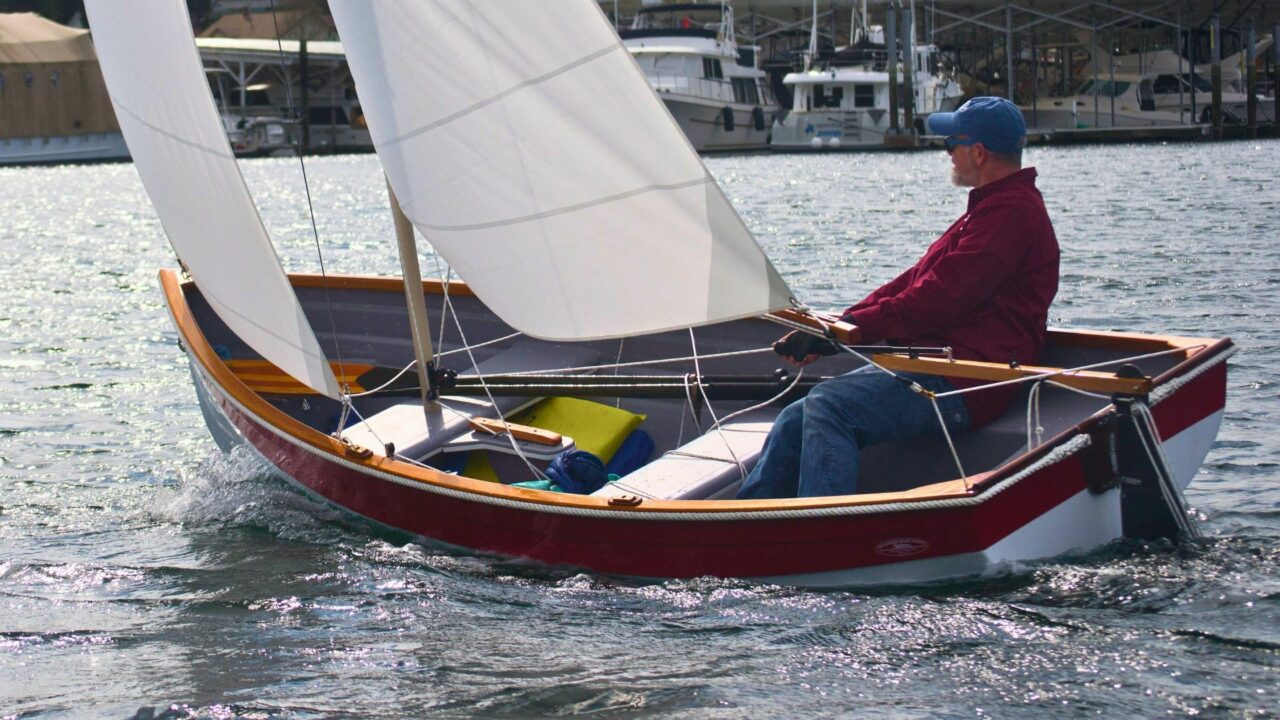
(983, 288)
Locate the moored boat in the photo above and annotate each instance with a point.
(842, 102)
(713, 87)
(615, 304)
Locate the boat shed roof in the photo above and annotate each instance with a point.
(267, 51)
(28, 38)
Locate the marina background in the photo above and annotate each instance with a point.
(786, 75)
(139, 569)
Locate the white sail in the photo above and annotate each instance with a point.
(528, 148)
(161, 98)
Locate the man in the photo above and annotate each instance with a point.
(983, 289)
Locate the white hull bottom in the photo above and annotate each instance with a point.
(63, 148)
(1083, 522)
(1058, 118)
(832, 130)
(703, 123)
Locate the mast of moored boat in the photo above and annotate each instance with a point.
(412, 273)
(813, 39)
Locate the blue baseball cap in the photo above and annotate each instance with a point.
(992, 121)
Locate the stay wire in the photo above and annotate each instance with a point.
(457, 321)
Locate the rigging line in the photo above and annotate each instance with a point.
(1035, 432)
(766, 403)
(919, 390)
(457, 321)
(618, 401)
(964, 477)
(642, 363)
(715, 421)
(409, 367)
(693, 410)
(311, 211)
(444, 303)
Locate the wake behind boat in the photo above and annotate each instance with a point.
(614, 303)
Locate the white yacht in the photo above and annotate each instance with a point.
(843, 102)
(1119, 100)
(1150, 90)
(1172, 78)
(713, 87)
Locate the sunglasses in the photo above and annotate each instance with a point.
(951, 143)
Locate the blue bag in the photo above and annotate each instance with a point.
(577, 471)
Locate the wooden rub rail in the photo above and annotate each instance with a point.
(1088, 380)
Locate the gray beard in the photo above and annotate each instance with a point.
(961, 181)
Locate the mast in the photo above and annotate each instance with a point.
(813, 38)
(422, 350)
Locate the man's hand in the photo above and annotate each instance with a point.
(801, 348)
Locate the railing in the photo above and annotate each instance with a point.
(718, 89)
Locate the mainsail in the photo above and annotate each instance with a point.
(161, 98)
(525, 144)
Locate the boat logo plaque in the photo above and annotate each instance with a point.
(902, 547)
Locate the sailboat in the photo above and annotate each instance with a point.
(610, 290)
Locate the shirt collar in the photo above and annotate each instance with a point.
(1026, 175)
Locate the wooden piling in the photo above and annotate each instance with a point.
(1008, 51)
(909, 70)
(1251, 80)
(891, 46)
(304, 81)
(1215, 57)
(1193, 46)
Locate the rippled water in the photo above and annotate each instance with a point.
(144, 575)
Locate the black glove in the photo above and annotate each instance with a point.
(798, 345)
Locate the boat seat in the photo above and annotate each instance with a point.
(703, 468)
(419, 435)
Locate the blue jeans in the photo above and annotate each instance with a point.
(813, 447)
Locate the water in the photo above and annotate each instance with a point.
(144, 575)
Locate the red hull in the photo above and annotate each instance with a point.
(666, 545)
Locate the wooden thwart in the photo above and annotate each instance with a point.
(263, 377)
(1088, 380)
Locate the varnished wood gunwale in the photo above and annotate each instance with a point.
(212, 366)
(375, 282)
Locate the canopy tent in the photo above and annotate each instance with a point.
(50, 84)
(27, 38)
